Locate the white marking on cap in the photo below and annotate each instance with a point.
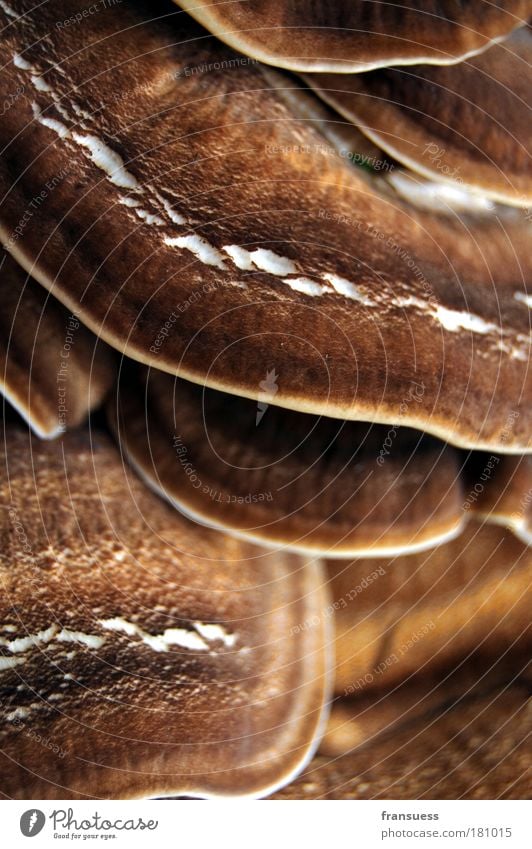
(455, 320)
(213, 631)
(52, 123)
(519, 354)
(271, 262)
(40, 84)
(80, 112)
(306, 286)
(10, 662)
(60, 108)
(175, 217)
(90, 640)
(119, 624)
(347, 289)
(240, 256)
(183, 637)
(524, 298)
(149, 217)
(129, 202)
(175, 637)
(108, 160)
(157, 642)
(405, 301)
(19, 61)
(22, 644)
(9, 10)
(200, 247)
(18, 713)
(261, 259)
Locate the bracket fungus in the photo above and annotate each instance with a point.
(325, 339)
(314, 485)
(52, 369)
(156, 657)
(296, 263)
(308, 484)
(349, 37)
(468, 125)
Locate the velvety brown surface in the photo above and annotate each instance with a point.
(469, 124)
(284, 478)
(203, 139)
(354, 36)
(475, 750)
(52, 369)
(417, 613)
(141, 654)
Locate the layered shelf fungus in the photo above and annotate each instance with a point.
(154, 656)
(52, 369)
(265, 352)
(468, 125)
(218, 242)
(314, 485)
(358, 36)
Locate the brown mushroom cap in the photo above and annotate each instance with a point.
(477, 750)
(288, 479)
(419, 612)
(382, 172)
(499, 489)
(197, 225)
(469, 125)
(153, 656)
(349, 37)
(52, 369)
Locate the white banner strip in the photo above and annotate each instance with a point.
(267, 825)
